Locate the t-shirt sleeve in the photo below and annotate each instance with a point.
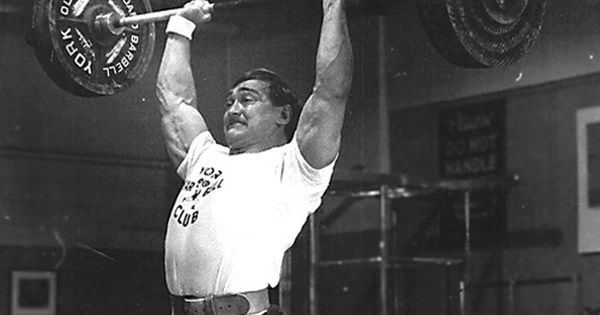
(202, 142)
(308, 182)
(303, 187)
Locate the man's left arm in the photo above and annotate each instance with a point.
(320, 124)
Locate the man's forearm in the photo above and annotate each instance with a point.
(175, 83)
(334, 65)
(175, 88)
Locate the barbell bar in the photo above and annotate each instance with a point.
(102, 47)
(114, 22)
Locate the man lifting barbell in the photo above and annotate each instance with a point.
(242, 205)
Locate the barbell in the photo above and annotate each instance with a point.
(102, 47)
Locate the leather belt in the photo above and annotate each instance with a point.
(230, 304)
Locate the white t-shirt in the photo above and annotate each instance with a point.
(236, 215)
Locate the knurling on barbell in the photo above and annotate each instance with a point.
(113, 22)
(100, 47)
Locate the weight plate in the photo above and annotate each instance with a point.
(482, 33)
(83, 60)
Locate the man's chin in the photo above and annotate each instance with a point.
(232, 136)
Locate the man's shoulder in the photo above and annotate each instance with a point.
(281, 150)
(204, 144)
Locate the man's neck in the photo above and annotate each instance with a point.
(257, 147)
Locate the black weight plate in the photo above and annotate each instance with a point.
(482, 33)
(80, 59)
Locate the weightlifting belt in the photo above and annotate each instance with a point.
(230, 304)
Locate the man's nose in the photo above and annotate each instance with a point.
(235, 108)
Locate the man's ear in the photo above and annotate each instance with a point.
(285, 115)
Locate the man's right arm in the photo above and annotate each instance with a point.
(176, 91)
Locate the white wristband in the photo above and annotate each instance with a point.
(180, 25)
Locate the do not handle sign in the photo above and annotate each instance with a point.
(472, 140)
(472, 144)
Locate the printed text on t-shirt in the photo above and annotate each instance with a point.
(209, 180)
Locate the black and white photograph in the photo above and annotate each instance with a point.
(299, 157)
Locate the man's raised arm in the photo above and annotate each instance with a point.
(320, 125)
(175, 86)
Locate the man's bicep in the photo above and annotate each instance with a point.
(180, 128)
(319, 130)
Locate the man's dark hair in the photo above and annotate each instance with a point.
(279, 93)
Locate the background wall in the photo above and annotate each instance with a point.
(541, 149)
(567, 47)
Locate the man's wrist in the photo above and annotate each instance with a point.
(181, 26)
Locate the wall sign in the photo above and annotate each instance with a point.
(471, 140)
(33, 293)
(472, 145)
(588, 179)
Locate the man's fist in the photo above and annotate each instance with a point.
(197, 11)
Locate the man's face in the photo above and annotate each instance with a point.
(250, 119)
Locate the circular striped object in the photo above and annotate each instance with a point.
(482, 33)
